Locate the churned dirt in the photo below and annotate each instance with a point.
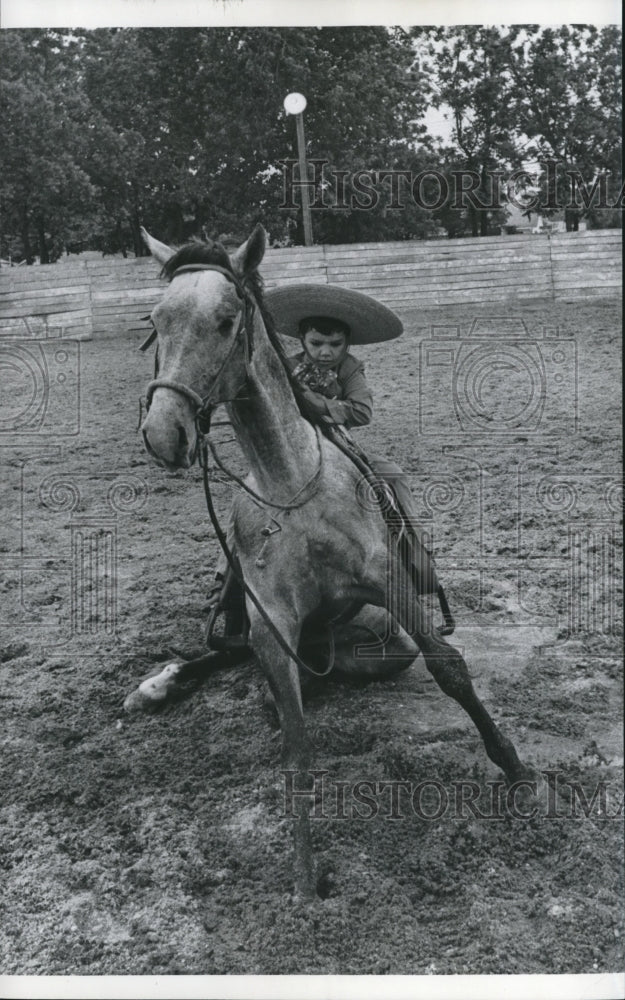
(136, 845)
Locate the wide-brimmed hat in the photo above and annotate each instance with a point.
(369, 321)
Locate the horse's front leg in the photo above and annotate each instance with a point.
(157, 689)
(283, 678)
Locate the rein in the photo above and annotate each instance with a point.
(308, 489)
(234, 566)
(202, 414)
(203, 407)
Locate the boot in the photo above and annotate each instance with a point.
(230, 602)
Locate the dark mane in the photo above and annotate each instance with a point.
(213, 252)
(197, 253)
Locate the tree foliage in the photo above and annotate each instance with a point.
(183, 130)
(569, 83)
(207, 132)
(47, 196)
(530, 93)
(473, 69)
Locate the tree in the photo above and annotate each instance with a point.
(126, 90)
(46, 194)
(474, 79)
(207, 131)
(569, 102)
(226, 88)
(183, 130)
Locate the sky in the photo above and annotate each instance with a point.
(163, 13)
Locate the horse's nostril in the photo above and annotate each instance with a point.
(149, 448)
(183, 441)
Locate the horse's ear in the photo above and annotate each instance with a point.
(247, 258)
(159, 250)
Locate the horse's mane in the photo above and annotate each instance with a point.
(213, 252)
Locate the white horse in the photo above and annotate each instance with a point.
(216, 345)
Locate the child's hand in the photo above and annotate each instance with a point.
(332, 388)
(315, 400)
(317, 379)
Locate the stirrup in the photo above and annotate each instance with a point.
(224, 643)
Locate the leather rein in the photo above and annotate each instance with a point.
(202, 409)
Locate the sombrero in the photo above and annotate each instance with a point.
(369, 321)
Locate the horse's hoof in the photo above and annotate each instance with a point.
(139, 702)
(152, 692)
(529, 796)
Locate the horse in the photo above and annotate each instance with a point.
(217, 345)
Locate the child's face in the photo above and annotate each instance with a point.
(325, 348)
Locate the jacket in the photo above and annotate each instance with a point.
(350, 402)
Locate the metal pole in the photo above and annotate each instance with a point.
(303, 176)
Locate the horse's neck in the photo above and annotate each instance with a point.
(278, 443)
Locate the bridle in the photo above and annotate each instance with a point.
(202, 407)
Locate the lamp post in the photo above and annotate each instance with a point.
(294, 104)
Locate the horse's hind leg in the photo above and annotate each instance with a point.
(451, 674)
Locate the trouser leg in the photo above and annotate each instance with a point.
(421, 557)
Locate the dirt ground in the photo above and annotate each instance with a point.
(146, 845)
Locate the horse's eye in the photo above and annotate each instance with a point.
(225, 326)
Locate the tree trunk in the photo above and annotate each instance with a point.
(473, 220)
(27, 249)
(44, 256)
(121, 243)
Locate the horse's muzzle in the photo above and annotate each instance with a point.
(169, 435)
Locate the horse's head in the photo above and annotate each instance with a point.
(203, 323)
